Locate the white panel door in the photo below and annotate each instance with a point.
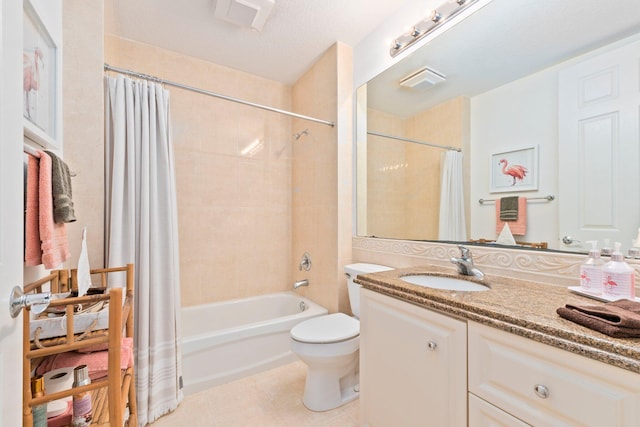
(11, 208)
(599, 154)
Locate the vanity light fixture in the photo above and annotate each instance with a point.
(435, 19)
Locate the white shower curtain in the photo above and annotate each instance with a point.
(141, 227)
(452, 222)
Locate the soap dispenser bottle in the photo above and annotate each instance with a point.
(618, 278)
(591, 271)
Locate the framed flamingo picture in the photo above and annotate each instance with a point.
(41, 79)
(515, 170)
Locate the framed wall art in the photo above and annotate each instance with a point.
(516, 170)
(41, 85)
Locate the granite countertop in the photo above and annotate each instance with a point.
(520, 307)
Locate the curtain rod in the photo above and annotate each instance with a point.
(108, 67)
(430, 144)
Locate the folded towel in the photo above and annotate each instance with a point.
(98, 362)
(618, 319)
(509, 208)
(61, 190)
(53, 237)
(505, 237)
(518, 227)
(32, 250)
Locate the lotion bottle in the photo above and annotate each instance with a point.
(591, 271)
(81, 401)
(606, 249)
(39, 412)
(618, 278)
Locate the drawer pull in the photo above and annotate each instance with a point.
(432, 345)
(542, 391)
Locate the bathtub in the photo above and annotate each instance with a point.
(227, 340)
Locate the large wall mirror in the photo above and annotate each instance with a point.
(503, 84)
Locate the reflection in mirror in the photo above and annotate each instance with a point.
(499, 93)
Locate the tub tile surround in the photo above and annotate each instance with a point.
(234, 203)
(321, 178)
(514, 304)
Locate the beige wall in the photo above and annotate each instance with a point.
(403, 179)
(387, 166)
(241, 220)
(234, 203)
(322, 178)
(83, 123)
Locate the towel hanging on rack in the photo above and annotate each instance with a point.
(61, 190)
(518, 227)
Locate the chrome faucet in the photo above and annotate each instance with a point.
(303, 282)
(465, 264)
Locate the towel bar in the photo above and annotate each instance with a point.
(548, 198)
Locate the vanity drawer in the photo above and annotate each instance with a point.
(545, 386)
(483, 414)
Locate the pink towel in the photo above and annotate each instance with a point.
(55, 249)
(98, 362)
(32, 251)
(518, 227)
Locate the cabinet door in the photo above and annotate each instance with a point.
(412, 365)
(483, 414)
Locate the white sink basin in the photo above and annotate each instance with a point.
(447, 283)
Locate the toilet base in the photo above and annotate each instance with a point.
(327, 389)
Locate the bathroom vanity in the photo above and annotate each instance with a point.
(497, 357)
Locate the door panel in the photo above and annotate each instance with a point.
(599, 149)
(11, 207)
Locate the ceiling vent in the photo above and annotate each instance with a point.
(424, 78)
(244, 13)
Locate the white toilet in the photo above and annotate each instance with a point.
(329, 345)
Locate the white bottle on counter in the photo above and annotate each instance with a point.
(618, 278)
(591, 271)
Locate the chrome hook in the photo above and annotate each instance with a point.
(19, 300)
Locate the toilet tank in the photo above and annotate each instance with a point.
(351, 271)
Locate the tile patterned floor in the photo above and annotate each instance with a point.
(268, 399)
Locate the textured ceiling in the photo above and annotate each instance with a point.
(295, 35)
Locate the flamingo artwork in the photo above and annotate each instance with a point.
(31, 65)
(610, 284)
(517, 172)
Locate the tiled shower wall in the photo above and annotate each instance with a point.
(233, 174)
(322, 177)
(404, 178)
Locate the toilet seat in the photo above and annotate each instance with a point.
(326, 329)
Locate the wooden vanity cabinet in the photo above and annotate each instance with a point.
(413, 365)
(542, 385)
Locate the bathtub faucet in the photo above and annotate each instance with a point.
(299, 283)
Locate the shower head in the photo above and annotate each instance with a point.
(299, 134)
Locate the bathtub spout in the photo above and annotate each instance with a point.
(299, 283)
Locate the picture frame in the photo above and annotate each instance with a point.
(41, 86)
(514, 170)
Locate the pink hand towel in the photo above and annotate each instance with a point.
(55, 248)
(32, 251)
(97, 362)
(518, 227)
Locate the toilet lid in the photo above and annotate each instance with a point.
(326, 329)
